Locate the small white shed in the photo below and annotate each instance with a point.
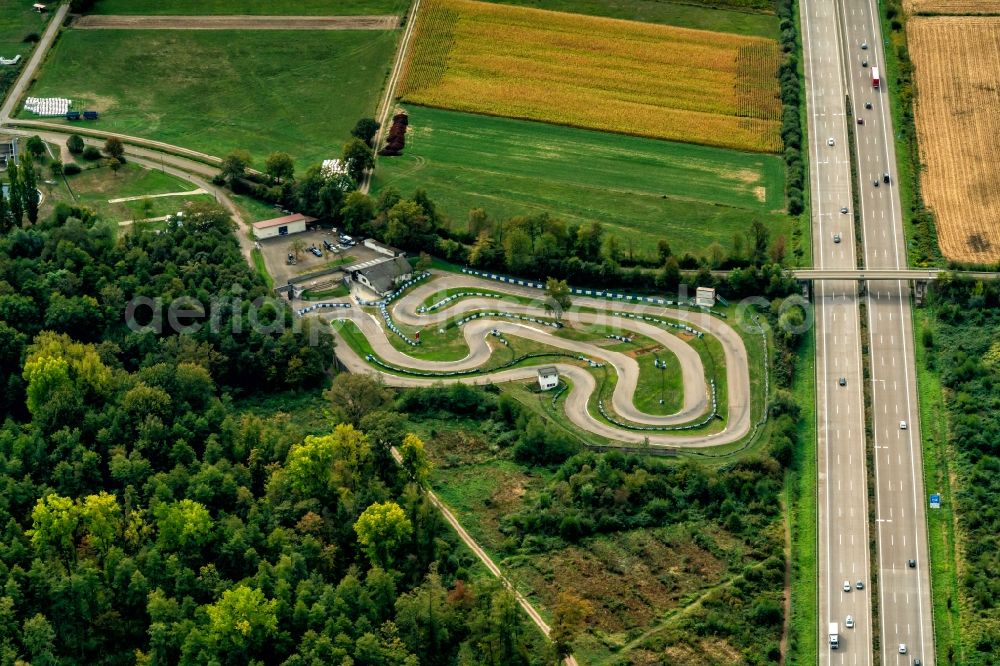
(548, 377)
(705, 297)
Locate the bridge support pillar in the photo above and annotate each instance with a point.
(919, 291)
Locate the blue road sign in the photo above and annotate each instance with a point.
(935, 501)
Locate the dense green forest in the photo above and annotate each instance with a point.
(964, 348)
(153, 512)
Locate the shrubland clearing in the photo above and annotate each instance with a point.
(597, 73)
(956, 62)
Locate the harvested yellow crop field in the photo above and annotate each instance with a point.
(952, 6)
(598, 73)
(957, 112)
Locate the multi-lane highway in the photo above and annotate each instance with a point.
(843, 507)
(841, 44)
(904, 591)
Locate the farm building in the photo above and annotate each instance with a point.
(705, 297)
(383, 276)
(282, 226)
(548, 377)
(8, 150)
(382, 248)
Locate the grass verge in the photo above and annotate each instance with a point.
(938, 478)
(258, 262)
(800, 503)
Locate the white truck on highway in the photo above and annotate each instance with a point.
(834, 637)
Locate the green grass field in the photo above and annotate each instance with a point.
(94, 187)
(17, 21)
(215, 91)
(255, 7)
(681, 14)
(643, 190)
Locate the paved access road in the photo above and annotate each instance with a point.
(904, 592)
(737, 418)
(842, 483)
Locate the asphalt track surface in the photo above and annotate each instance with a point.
(900, 523)
(476, 333)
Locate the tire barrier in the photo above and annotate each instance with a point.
(384, 311)
(508, 315)
(596, 293)
(317, 306)
(689, 426)
(453, 297)
(663, 322)
(619, 338)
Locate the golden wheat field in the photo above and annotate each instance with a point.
(957, 111)
(952, 6)
(606, 74)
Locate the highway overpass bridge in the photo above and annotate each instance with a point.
(864, 275)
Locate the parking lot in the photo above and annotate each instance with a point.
(276, 251)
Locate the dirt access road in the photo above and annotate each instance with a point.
(238, 22)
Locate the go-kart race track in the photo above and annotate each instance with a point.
(696, 403)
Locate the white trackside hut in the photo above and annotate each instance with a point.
(548, 377)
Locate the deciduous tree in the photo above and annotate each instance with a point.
(358, 157)
(415, 462)
(557, 298)
(279, 166)
(75, 144)
(114, 147)
(381, 528)
(235, 165)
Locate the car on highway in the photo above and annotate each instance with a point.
(902, 648)
(885, 177)
(868, 105)
(875, 182)
(847, 586)
(849, 623)
(916, 662)
(902, 425)
(912, 564)
(864, 46)
(864, 63)
(836, 238)
(844, 210)
(861, 121)
(829, 141)
(860, 584)
(843, 381)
